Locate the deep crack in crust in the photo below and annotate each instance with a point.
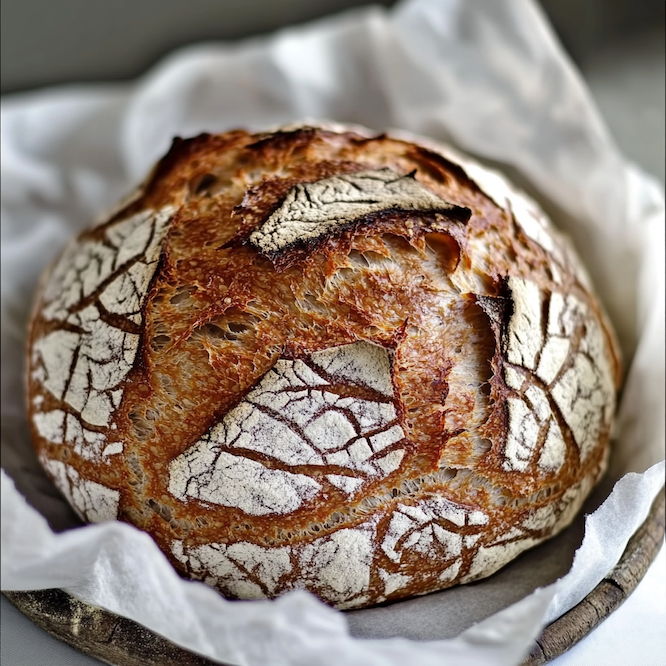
(325, 360)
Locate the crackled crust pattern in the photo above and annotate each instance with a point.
(291, 417)
(313, 210)
(318, 358)
(92, 309)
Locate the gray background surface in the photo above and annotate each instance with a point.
(618, 45)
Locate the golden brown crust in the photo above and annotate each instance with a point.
(482, 349)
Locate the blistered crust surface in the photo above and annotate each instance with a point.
(319, 359)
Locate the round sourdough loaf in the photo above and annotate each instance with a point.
(322, 359)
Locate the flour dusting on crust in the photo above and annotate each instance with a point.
(93, 501)
(83, 362)
(311, 210)
(291, 418)
(238, 482)
(570, 362)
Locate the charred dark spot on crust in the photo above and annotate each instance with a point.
(359, 140)
(183, 151)
(440, 382)
(498, 308)
(201, 186)
(438, 166)
(293, 140)
(285, 140)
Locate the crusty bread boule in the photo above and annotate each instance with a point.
(319, 358)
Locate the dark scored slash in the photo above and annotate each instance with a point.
(314, 210)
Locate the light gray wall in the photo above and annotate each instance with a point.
(619, 45)
(56, 41)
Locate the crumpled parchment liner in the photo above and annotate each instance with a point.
(486, 75)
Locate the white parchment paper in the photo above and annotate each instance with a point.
(486, 75)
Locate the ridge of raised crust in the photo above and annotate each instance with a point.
(312, 210)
